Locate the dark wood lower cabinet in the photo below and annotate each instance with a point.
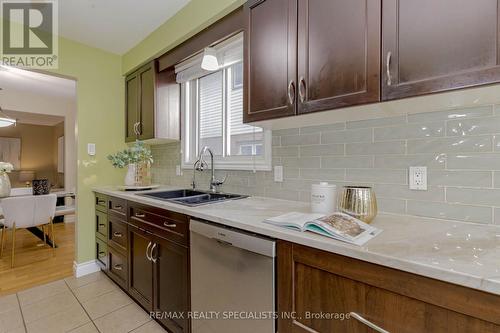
(140, 280)
(331, 293)
(118, 267)
(171, 284)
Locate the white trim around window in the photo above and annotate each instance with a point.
(190, 145)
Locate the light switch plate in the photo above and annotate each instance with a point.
(278, 173)
(418, 178)
(91, 149)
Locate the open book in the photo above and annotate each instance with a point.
(339, 226)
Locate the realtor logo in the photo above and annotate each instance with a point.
(29, 33)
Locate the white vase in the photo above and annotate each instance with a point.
(4, 185)
(130, 176)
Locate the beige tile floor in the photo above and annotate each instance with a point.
(86, 305)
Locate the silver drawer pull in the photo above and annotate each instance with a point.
(169, 225)
(117, 234)
(118, 207)
(118, 267)
(102, 224)
(367, 322)
(101, 201)
(153, 259)
(102, 254)
(140, 215)
(147, 252)
(388, 68)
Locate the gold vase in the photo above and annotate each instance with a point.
(359, 202)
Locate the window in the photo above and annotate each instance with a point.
(212, 111)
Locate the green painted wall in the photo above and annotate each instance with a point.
(100, 120)
(100, 102)
(191, 19)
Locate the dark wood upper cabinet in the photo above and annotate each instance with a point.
(152, 109)
(270, 59)
(147, 97)
(338, 53)
(310, 55)
(131, 107)
(438, 45)
(171, 283)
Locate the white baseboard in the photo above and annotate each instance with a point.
(85, 268)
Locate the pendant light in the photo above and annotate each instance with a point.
(210, 62)
(6, 120)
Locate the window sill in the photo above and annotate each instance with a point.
(258, 166)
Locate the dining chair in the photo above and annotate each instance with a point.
(25, 212)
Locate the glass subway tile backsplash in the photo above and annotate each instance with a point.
(460, 147)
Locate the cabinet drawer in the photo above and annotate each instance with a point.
(117, 233)
(118, 267)
(169, 225)
(101, 202)
(101, 249)
(118, 207)
(101, 223)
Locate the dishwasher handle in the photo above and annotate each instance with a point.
(235, 238)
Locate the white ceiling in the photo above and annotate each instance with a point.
(14, 79)
(34, 118)
(114, 25)
(36, 93)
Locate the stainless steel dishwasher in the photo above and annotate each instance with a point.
(232, 280)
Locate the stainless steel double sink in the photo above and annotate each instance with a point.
(191, 198)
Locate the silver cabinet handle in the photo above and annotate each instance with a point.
(140, 215)
(147, 252)
(169, 225)
(102, 254)
(367, 322)
(119, 207)
(388, 68)
(118, 267)
(117, 234)
(139, 129)
(135, 128)
(302, 89)
(101, 201)
(291, 92)
(153, 259)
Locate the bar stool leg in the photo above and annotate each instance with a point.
(13, 244)
(2, 240)
(53, 237)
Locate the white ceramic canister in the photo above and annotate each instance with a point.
(323, 198)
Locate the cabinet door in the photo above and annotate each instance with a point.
(270, 59)
(338, 53)
(131, 107)
(308, 291)
(140, 284)
(147, 78)
(438, 45)
(171, 282)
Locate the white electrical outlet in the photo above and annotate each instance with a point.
(178, 170)
(278, 173)
(418, 178)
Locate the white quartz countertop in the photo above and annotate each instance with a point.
(462, 253)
